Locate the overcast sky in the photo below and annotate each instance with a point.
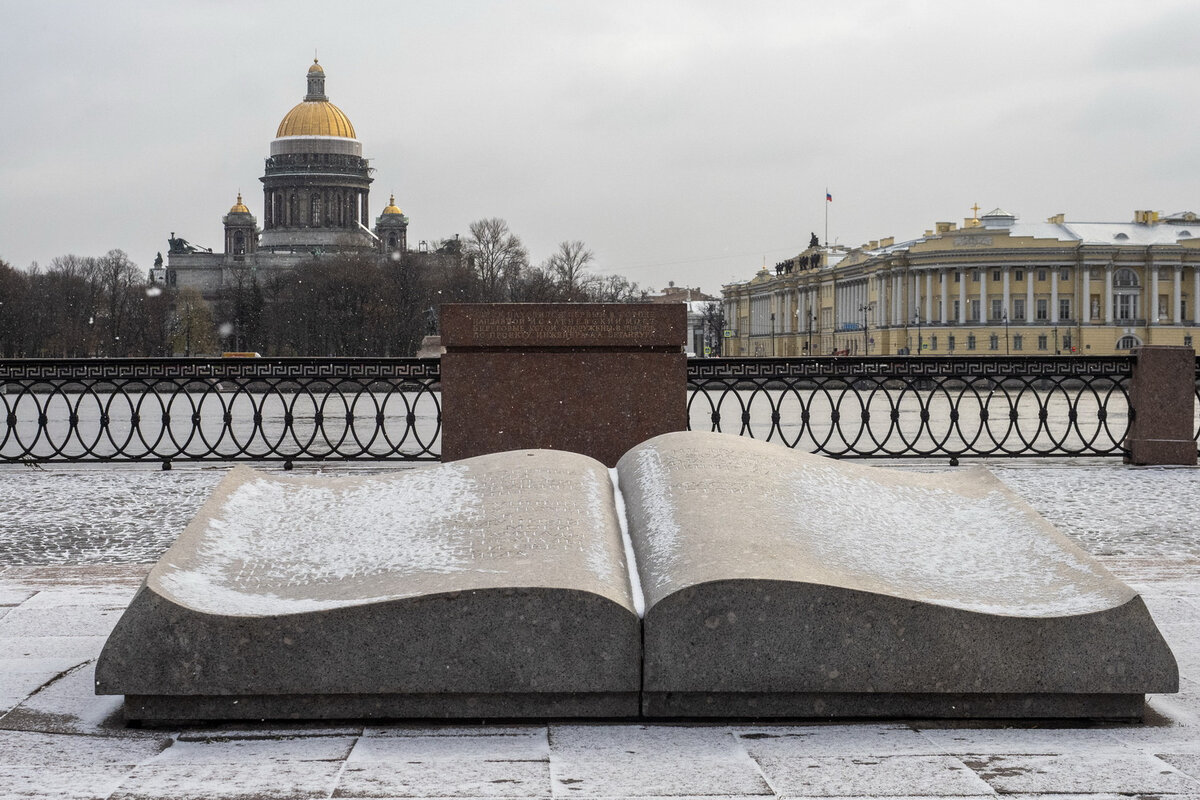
(682, 141)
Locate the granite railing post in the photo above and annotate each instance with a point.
(1162, 398)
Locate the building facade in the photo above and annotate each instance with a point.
(316, 204)
(994, 286)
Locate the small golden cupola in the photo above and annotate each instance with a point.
(239, 207)
(391, 206)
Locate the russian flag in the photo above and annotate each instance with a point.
(828, 197)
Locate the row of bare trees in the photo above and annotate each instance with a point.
(332, 306)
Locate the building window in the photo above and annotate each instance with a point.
(997, 308)
(973, 306)
(1064, 274)
(1042, 345)
(996, 275)
(993, 342)
(1041, 274)
(1125, 278)
(1043, 309)
(950, 343)
(1064, 308)
(1018, 308)
(957, 307)
(1018, 342)
(1126, 305)
(1019, 275)
(975, 276)
(1127, 343)
(1067, 343)
(933, 343)
(970, 341)
(957, 276)
(1187, 340)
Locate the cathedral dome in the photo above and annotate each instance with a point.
(391, 206)
(239, 207)
(316, 116)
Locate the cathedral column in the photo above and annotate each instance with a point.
(983, 296)
(929, 295)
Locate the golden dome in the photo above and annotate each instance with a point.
(316, 118)
(239, 207)
(316, 68)
(391, 206)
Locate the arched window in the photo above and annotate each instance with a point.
(391, 241)
(1125, 277)
(1128, 343)
(1126, 295)
(239, 243)
(315, 203)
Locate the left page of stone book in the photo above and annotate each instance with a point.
(494, 586)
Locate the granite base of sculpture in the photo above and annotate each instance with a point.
(500, 587)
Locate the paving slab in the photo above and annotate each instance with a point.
(530, 744)
(784, 741)
(30, 749)
(63, 620)
(871, 776)
(1074, 773)
(64, 781)
(445, 778)
(1024, 741)
(1187, 763)
(643, 760)
(225, 750)
(275, 780)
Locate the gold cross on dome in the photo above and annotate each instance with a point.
(975, 208)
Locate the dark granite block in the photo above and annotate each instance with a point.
(1162, 396)
(587, 378)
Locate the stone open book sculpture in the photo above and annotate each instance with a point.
(768, 583)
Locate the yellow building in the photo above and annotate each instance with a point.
(993, 286)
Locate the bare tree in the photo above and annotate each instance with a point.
(497, 255)
(192, 331)
(567, 266)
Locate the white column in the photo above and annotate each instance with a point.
(944, 276)
(1108, 294)
(1007, 293)
(983, 298)
(929, 295)
(1177, 304)
(1152, 305)
(897, 298)
(1054, 295)
(1196, 295)
(914, 293)
(1085, 280)
(1030, 310)
(962, 297)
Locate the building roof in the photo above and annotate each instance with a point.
(239, 207)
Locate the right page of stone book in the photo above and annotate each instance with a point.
(770, 572)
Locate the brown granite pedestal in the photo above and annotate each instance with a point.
(591, 378)
(1162, 397)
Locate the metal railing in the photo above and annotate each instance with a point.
(896, 407)
(292, 409)
(262, 409)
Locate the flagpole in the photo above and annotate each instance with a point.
(827, 216)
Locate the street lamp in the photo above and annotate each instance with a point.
(1055, 331)
(772, 334)
(866, 308)
(917, 319)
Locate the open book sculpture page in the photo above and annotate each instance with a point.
(772, 583)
